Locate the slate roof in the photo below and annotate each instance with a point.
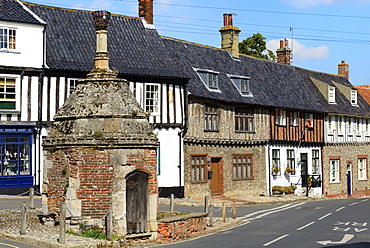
(272, 84)
(12, 10)
(133, 49)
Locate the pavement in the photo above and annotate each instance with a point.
(39, 235)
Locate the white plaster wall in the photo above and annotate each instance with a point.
(29, 46)
(284, 179)
(169, 158)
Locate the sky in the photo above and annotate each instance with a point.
(324, 32)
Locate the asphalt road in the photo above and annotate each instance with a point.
(328, 223)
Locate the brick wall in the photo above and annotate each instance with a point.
(181, 227)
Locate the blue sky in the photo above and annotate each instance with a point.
(325, 32)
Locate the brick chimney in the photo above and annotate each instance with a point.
(146, 10)
(283, 53)
(230, 36)
(343, 69)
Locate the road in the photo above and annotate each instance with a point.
(327, 223)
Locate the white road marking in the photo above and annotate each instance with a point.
(365, 200)
(266, 212)
(324, 216)
(345, 239)
(353, 203)
(275, 240)
(309, 224)
(340, 209)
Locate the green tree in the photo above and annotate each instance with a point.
(256, 46)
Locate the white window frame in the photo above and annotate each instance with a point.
(358, 126)
(350, 126)
(72, 84)
(294, 119)
(354, 97)
(367, 127)
(275, 156)
(16, 92)
(280, 117)
(331, 94)
(341, 125)
(331, 122)
(334, 170)
(362, 169)
(309, 116)
(6, 41)
(152, 107)
(315, 161)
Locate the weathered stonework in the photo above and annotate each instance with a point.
(345, 153)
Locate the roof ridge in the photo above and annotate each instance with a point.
(75, 10)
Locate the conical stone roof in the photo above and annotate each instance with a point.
(101, 111)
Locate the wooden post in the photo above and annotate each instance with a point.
(109, 224)
(172, 202)
(62, 229)
(206, 204)
(223, 212)
(32, 194)
(210, 215)
(23, 219)
(234, 210)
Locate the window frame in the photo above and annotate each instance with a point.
(72, 84)
(315, 161)
(211, 118)
(238, 80)
(280, 117)
(362, 170)
(242, 170)
(334, 171)
(354, 97)
(155, 97)
(331, 122)
(244, 118)
(290, 160)
(358, 126)
(198, 171)
(276, 162)
(341, 125)
(294, 119)
(350, 130)
(209, 78)
(331, 94)
(13, 102)
(367, 128)
(11, 38)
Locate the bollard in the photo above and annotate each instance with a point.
(234, 210)
(109, 224)
(32, 201)
(62, 223)
(223, 212)
(172, 202)
(23, 219)
(206, 204)
(210, 215)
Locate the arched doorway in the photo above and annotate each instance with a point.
(136, 202)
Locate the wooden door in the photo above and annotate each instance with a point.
(304, 169)
(136, 202)
(216, 176)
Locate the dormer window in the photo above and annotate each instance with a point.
(7, 38)
(354, 97)
(209, 78)
(331, 94)
(242, 84)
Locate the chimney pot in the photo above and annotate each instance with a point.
(281, 43)
(101, 19)
(228, 20)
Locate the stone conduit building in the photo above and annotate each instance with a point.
(100, 152)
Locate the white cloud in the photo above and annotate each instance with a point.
(301, 51)
(306, 4)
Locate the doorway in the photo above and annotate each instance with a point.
(349, 178)
(136, 202)
(216, 181)
(304, 169)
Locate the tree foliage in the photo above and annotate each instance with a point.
(256, 46)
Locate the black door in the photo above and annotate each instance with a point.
(136, 202)
(304, 169)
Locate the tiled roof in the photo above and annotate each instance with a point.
(12, 10)
(271, 84)
(133, 49)
(364, 91)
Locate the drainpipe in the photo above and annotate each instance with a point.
(179, 166)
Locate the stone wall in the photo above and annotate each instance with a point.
(179, 227)
(345, 153)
